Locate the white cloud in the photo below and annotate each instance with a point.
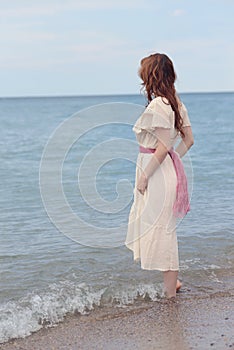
(46, 50)
(22, 37)
(51, 8)
(27, 61)
(178, 12)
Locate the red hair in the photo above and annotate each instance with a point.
(158, 76)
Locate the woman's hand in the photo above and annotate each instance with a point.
(142, 184)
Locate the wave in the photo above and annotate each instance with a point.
(45, 309)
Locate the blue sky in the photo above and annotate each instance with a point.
(94, 46)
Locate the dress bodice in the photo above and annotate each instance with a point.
(158, 114)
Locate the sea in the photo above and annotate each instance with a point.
(67, 175)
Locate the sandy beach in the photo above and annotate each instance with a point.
(205, 322)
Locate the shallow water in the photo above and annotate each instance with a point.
(45, 274)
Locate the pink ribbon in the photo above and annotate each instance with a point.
(181, 205)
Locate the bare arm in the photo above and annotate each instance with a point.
(186, 142)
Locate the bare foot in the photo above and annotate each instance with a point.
(178, 285)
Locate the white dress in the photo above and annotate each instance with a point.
(151, 231)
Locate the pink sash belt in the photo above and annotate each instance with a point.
(181, 205)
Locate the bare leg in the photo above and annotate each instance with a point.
(170, 282)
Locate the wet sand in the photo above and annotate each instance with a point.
(200, 323)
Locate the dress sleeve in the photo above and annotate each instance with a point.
(184, 115)
(157, 120)
(155, 116)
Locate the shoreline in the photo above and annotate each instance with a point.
(179, 324)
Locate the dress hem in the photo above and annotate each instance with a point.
(159, 269)
(155, 268)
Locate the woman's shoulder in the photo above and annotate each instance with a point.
(159, 103)
(163, 102)
(159, 100)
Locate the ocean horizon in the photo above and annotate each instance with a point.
(111, 94)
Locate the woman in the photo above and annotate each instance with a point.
(160, 193)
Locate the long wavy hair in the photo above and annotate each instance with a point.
(158, 76)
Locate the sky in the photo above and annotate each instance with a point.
(94, 47)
